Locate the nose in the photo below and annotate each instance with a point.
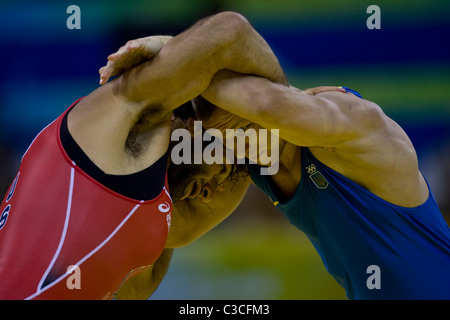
(208, 191)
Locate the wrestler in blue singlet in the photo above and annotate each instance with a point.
(374, 249)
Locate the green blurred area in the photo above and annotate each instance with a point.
(249, 260)
(263, 11)
(398, 89)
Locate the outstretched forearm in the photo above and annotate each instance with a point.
(185, 66)
(323, 116)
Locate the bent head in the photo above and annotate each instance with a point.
(203, 196)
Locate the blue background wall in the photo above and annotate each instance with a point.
(404, 67)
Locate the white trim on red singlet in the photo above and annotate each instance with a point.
(90, 254)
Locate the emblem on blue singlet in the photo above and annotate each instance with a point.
(316, 177)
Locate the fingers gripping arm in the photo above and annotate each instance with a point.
(133, 53)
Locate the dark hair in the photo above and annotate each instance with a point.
(202, 108)
(185, 111)
(198, 107)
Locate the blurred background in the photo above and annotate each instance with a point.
(254, 254)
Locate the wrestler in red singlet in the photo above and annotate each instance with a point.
(57, 222)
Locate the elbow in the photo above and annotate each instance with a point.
(235, 23)
(374, 116)
(234, 20)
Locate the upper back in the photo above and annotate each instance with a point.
(380, 158)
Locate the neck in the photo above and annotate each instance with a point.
(289, 173)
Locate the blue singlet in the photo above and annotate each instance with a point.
(374, 249)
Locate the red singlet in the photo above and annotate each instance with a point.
(63, 235)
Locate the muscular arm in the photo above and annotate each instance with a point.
(349, 134)
(186, 64)
(142, 98)
(327, 119)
